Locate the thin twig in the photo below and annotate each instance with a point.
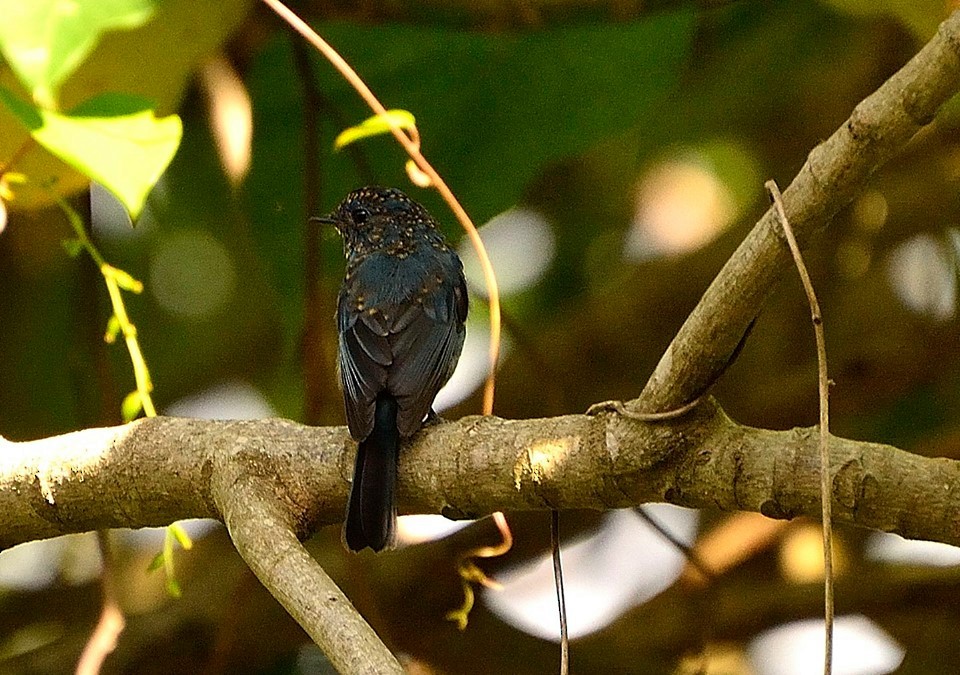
(471, 573)
(411, 144)
(621, 409)
(687, 551)
(823, 384)
(111, 623)
(315, 350)
(561, 596)
(113, 278)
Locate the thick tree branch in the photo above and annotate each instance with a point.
(155, 471)
(264, 536)
(877, 129)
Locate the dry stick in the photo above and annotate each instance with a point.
(412, 145)
(561, 601)
(111, 623)
(823, 384)
(691, 556)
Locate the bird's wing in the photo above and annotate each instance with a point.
(363, 357)
(401, 329)
(425, 354)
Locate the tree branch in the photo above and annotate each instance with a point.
(877, 129)
(264, 537)
(155, 471)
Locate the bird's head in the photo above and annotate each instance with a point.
(371, 217)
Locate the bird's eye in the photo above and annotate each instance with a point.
(359, 215)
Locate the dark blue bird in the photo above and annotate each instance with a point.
(400, 316)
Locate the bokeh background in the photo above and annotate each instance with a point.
(616, 152)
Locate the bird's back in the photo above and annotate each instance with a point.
(401, 322)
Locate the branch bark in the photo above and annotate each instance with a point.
(264, 536)
(154, 471)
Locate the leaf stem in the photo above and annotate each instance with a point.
(114, 279)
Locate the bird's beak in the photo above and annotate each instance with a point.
(323, 220)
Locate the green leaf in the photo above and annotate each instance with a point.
(123, 279)
(156, 563)
(113, 329)
(45, 40)
(374, 126)
(114, 139)
(173, 587)
(73, 247)
(181, 535)
(131, 406)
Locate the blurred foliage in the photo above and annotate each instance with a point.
(566, 113)
(114, 139)
(152, 58)
(45, 41)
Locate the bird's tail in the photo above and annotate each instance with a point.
(371, 513)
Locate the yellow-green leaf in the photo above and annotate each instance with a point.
(115, 139)
(374, 126)
(156, 563)
(181, 535)
(123, 279)
(416, 175)
(131, 406)
(113, 330)
(173, 587)
(73, 247)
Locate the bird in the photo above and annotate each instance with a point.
(401, 321)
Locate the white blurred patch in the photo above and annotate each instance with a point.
(621, 565)
(417, 529)
(109, 217)
(923, 273)
(681, 205)
(892, 548)
(192, 274)
(150, 539)
(860, 647)
(233, 400)
(231, 116)
(520, 245)
(473, 367)
(35, 565)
